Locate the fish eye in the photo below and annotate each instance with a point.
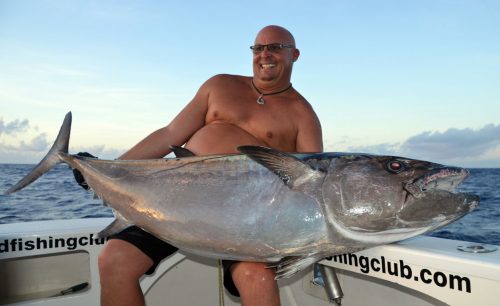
(395, 166)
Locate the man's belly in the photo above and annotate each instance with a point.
(219, 138)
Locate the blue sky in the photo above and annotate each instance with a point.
(413, 78)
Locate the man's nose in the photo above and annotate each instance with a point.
(265, 52)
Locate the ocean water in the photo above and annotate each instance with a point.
(56, 196)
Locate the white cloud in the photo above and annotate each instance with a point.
(453, 143)
(13, 146)
(467, 146)
(13, 127)
(37, 144)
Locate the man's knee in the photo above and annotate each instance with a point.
(250, 274)
(122, 259)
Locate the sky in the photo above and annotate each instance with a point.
(419, 79)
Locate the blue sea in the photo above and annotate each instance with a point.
(56, 196)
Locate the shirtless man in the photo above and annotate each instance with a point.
(223, 115)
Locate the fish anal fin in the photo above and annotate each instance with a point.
(290, 266)
(114, 227)
(293, 171)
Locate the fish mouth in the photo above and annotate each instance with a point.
(432, 196)
(439, 179)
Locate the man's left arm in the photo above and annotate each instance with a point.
(309, 135)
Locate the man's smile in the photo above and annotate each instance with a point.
(267, 66)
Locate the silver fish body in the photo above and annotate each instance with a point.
(269, 206)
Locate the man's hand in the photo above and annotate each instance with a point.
(78, 175)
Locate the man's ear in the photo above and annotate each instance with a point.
(296, 54)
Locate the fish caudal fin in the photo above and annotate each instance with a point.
(52, 158)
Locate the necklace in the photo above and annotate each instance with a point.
(260, 99)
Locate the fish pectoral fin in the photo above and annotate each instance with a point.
(181, 152)
(118, 225)
(290, 266)
(293, 171)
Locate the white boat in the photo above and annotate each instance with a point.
(55, 263)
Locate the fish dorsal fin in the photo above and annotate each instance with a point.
(118, 225)
(181, 152)
(292, 171)
(290, 266)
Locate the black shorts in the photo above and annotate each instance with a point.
(157, 250)
(228, 279)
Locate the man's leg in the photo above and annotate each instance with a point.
(255, 284)
(125, 258)
(121, 264)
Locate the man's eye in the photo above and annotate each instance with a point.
(273, 47)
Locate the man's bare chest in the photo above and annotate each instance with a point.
(270, 124)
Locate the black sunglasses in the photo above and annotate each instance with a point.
(270, 47)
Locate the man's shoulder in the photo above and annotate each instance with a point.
(228, 78)
(224, 82)
(301, 102)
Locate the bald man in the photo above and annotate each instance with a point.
(227, 111)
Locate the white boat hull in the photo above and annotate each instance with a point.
(40, 259)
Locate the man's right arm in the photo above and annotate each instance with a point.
(177, 132)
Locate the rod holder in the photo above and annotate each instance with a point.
(331, 284)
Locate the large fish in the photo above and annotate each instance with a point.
(290, 210)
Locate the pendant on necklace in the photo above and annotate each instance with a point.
(260, 100)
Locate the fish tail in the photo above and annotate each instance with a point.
(55, 156)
